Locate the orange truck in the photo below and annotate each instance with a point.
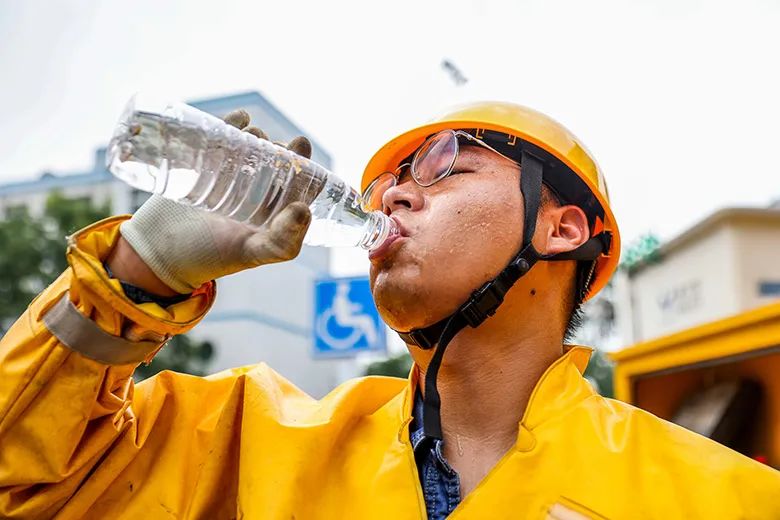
(721, 379)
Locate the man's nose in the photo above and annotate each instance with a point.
(406, 195)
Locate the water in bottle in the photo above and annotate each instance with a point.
(187, 155)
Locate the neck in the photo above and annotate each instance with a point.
(485, 382)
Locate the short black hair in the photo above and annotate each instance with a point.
(582, 277)
(576, 319)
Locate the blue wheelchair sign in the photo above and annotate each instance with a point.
(346, 321)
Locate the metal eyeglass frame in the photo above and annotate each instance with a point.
(396, 173)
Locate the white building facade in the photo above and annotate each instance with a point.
(726, 264)
(262, 315)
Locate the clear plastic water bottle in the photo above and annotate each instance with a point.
(192, 157)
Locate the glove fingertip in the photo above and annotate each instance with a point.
(293, 221)
(287, 230)
(256, 132)
(238, 118)
(298, 214)
(301, 145)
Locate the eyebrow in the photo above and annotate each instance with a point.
(405, 175)
(472, 153)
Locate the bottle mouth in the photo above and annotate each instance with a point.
(382, 228)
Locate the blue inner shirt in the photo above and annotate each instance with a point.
(440, 483)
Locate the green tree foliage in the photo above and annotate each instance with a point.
(181, 354)
(62, 217)
(21, 262)
(32, 250)
(396, 366)
(32, 255)
(600, 371)
(643, 250)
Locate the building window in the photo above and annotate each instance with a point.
(769, 288)
(16, 211)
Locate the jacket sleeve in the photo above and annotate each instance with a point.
(68, 405)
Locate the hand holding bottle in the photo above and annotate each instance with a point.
(185, 247)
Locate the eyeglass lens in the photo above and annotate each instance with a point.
(435, 158)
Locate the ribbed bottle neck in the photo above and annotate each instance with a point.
(380, 227)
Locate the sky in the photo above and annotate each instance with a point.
(677, 99)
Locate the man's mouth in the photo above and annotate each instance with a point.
(385, 249)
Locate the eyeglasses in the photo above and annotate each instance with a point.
(432, 162)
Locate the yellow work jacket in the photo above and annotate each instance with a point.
(79, 440)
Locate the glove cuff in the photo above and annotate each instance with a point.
(173, 241)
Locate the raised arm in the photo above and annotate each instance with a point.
(67, 402)
(77, 436)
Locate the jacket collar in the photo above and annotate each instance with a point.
(560, 388)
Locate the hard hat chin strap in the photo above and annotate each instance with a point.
(484, 302)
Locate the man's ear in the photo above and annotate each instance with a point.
(566, 229)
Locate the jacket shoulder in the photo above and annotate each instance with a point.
(642, 435)
(286, 402)
(654, 468)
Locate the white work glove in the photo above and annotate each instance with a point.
(187, 247)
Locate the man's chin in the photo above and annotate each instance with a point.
(397, 298)
(403, 304)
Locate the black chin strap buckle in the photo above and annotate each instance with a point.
(418, 337)
(482, 304)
